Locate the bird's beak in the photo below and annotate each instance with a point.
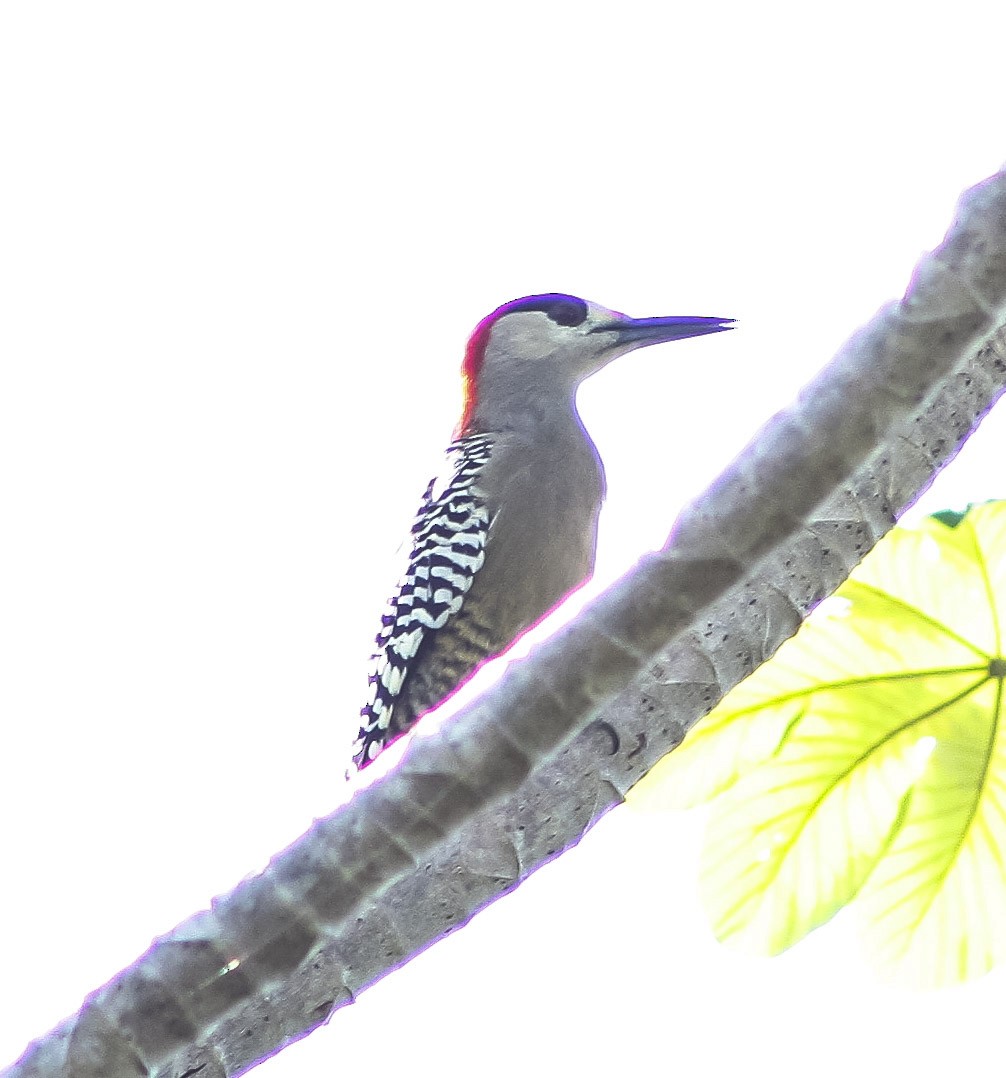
(642, 331)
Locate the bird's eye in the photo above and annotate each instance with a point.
(562, 309)
(568, 312)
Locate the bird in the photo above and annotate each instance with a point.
(508, 528)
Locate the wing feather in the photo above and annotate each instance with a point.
(448, 549)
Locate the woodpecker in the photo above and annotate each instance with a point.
(509, 528)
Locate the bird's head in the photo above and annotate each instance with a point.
(556, 341)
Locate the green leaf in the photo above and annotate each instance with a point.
(866, 762)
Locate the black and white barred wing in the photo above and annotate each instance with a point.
(448, 548)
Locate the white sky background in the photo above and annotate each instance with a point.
(242, 246)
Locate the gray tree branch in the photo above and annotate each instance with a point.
(524, 771)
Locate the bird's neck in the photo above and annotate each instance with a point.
(539, 400)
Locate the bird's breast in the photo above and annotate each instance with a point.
(543, 501)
